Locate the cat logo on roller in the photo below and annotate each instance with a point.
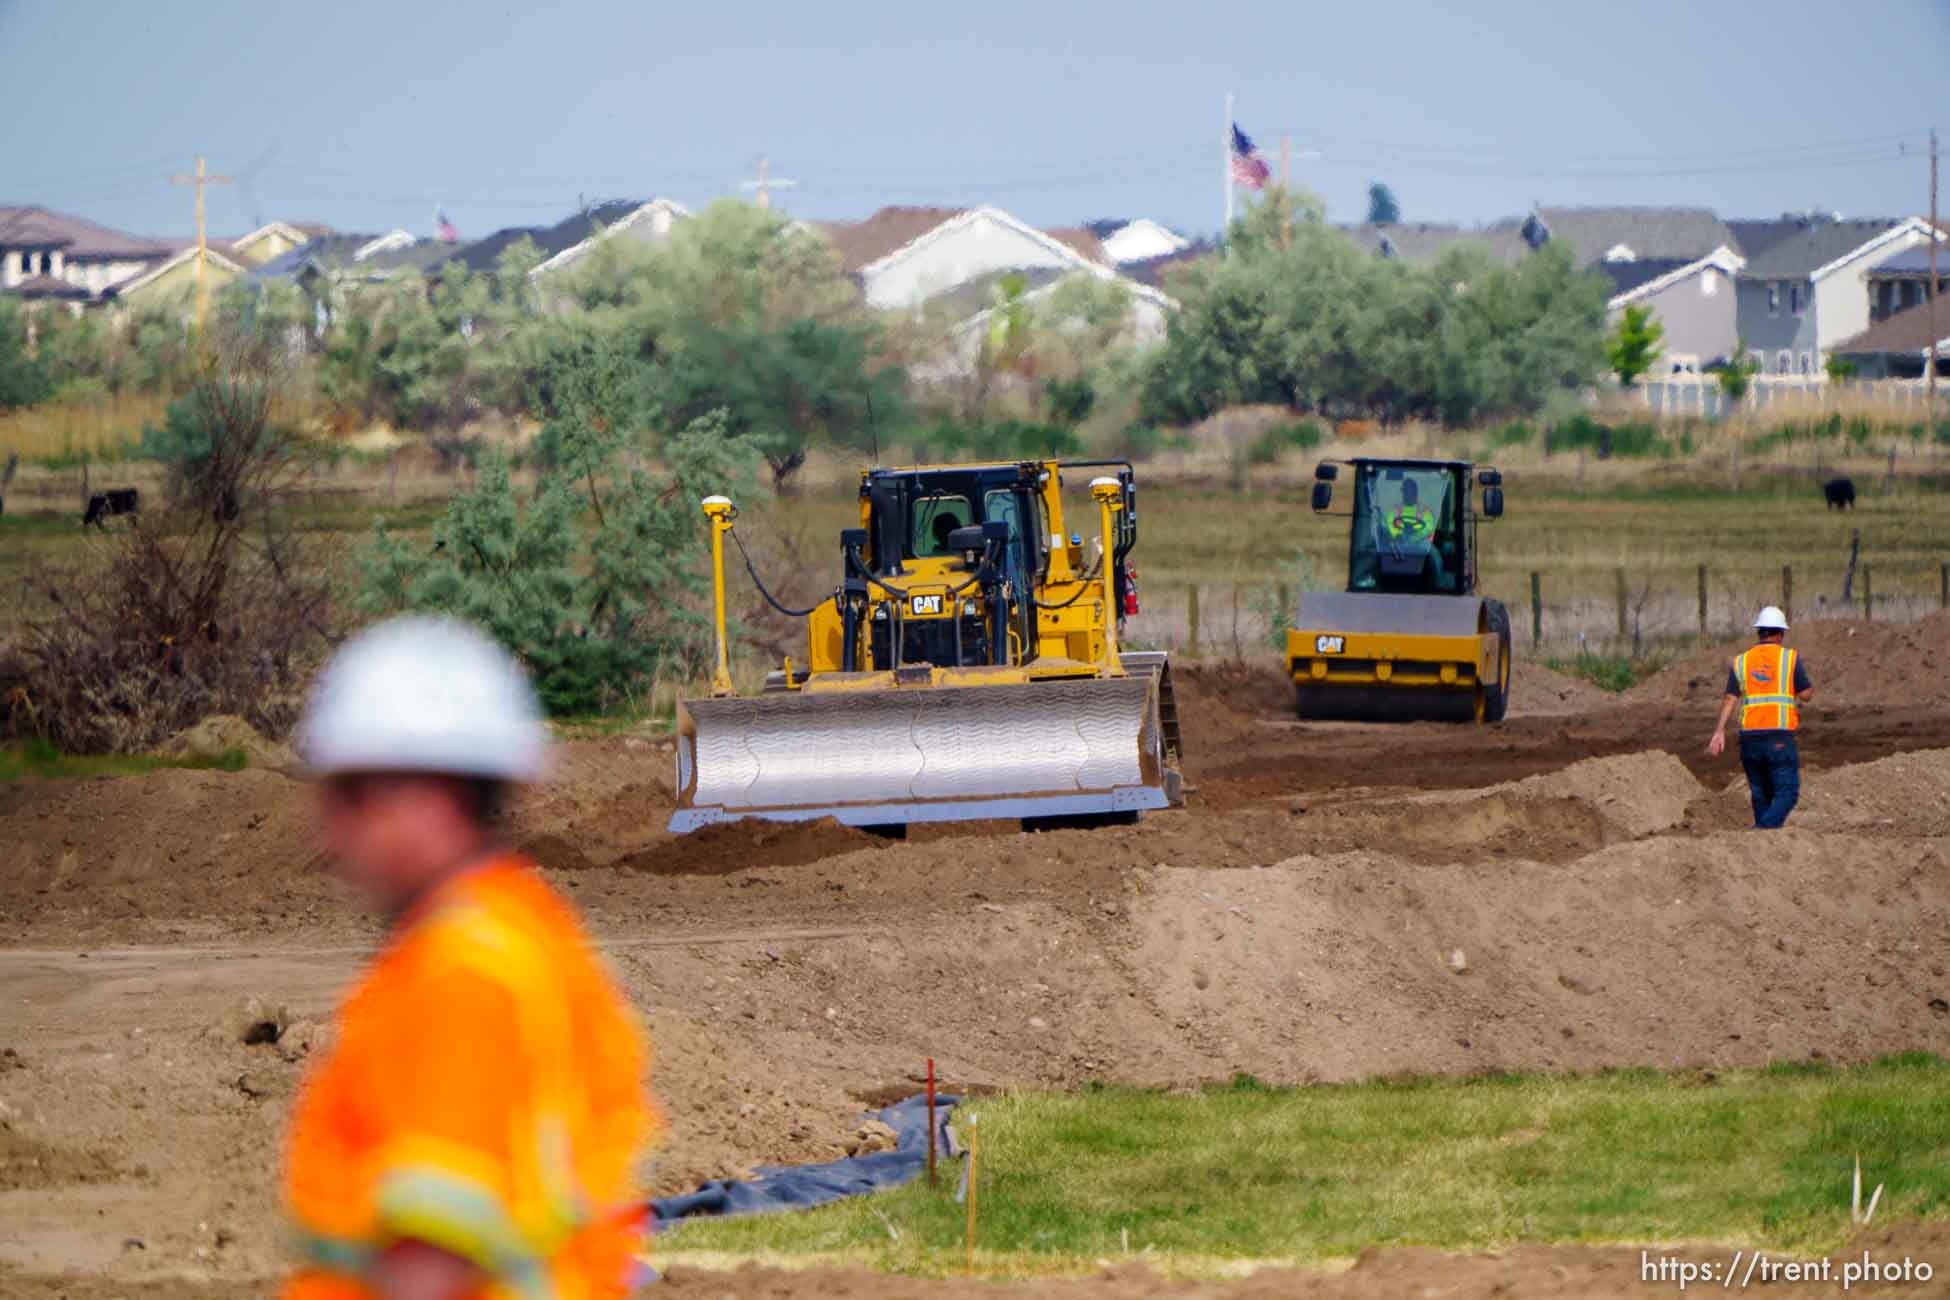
(966, 667)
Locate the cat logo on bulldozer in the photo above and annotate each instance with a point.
(1329, 645)
(925, 604)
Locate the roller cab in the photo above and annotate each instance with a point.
(1409, 639)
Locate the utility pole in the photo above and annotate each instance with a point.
(201, 179)
(1930, 292)
(765, 184)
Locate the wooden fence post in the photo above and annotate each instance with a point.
(1868, 596)
(1284, 613)
(1943, 585)
(1787, 592)
(1702, 604)
(1889, 480)
(1191, 620)
(1621, 604)
(1537, 607)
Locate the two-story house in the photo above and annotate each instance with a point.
(1902, 280)
(51, 255)
(1804, 289)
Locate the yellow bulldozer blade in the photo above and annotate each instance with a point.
(1065, 748)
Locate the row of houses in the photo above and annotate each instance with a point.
(901, 257)
(1795, 290)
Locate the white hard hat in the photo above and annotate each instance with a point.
(423, 694)
(1771, 619)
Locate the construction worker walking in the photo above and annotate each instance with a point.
(1767, 683)
(472, 1129)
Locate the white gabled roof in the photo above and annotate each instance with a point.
(1720, 259)
(1907, 226)
(648, 211)
(161, 269)
(292, 233)
(386, 243)
(962, 221)
(1143, 238)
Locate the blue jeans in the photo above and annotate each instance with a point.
(1773, 764)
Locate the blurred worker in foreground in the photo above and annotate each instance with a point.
(1767, 684)
(472, 1130)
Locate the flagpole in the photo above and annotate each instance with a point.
(1225, 170)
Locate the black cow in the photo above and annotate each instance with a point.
(1840, 493)
(106, 505)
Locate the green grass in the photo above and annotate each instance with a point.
(1202, 1181)
(36, 760)
(1608, 672)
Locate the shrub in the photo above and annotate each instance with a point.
(1001, 440)
(1633, 440)
(1070, 400)
(1280, 439)
(191, 611)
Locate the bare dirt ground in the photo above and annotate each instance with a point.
(1568, 890)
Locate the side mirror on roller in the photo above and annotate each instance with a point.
(1492, 502)
(1323, 495)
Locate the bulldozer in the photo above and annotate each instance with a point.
(967, 667)
(1409, 639)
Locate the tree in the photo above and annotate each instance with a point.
(1382, 208)
(595, 602)
(1634, 346)
(1840, 369)
(22, 379)
(1299, 314)
(1737, 376)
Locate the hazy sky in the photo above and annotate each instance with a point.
(369, 114)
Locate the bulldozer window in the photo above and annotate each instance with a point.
(935, 517)
(1007, 504)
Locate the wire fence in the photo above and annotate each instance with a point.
(1644, 611)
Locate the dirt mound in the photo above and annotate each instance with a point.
(1538, 690)
(224, 733)
(1222, 701)
(230, 851)
(1854, 665)
(1474, 829)
(1729, 949)
(739, 845)
(1640, 794)
(1907, 794)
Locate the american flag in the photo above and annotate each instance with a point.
(449, 235)
(1248, 168)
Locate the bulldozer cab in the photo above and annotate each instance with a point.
(1413, 525)
(914, 515)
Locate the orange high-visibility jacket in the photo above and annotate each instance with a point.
(1766, 677)
(484, 1095)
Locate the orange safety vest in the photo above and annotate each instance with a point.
(1766, 677)
(484, 1095)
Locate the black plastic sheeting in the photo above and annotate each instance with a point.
(797, 1187)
